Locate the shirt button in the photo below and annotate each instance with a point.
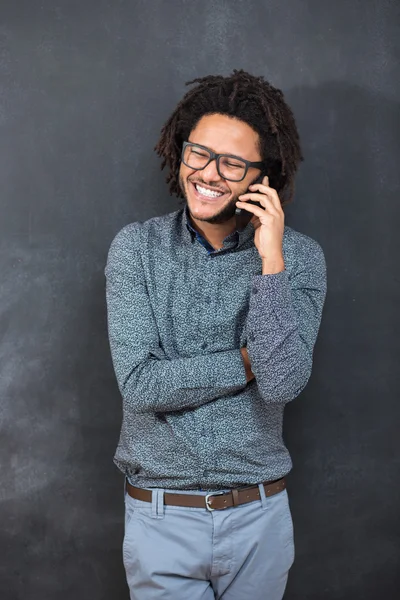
(251, 337)
(255, 290)
(207, 300)
(204, 345)
(206, 473)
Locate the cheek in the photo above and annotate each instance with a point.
(239, 188)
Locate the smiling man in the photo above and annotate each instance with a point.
(212, 322)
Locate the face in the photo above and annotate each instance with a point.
(223, 135)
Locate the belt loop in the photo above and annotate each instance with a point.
(235, 497)
(263, 497)
(157, 503)
(160, 504)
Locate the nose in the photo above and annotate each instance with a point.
(210, 173)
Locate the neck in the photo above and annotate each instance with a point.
(214, 233)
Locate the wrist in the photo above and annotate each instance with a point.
(273, 265)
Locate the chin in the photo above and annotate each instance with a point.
(212, 214)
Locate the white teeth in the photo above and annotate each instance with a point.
(209, 193)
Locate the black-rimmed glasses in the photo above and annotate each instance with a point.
(229, 167)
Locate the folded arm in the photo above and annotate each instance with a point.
(147, 380)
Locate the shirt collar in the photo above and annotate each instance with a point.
(236, 239)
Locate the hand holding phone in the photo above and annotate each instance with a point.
(243, 216)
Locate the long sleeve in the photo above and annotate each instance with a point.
(147, 380)
(283, 322)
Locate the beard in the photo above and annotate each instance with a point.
(226, 213)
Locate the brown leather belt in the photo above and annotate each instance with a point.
(214, 500)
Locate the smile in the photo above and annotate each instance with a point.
(206, 193)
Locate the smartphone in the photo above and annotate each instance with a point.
(243, 216)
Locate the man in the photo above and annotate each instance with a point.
(212, 328)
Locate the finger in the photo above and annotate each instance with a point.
(263, 199)
(265, 182)
(267, 191)
(256, 210)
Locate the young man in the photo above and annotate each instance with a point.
(212, 327)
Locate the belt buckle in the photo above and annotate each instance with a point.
(208, 496)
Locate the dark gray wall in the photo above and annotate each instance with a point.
(85, 88)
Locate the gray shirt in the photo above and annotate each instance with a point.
(178, 314)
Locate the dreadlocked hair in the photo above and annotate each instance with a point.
(250, 99)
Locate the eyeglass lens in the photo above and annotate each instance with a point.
(232, 169)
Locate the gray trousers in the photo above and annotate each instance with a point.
(176, 553)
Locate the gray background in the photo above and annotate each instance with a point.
(85, 88)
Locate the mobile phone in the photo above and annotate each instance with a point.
(243, 216)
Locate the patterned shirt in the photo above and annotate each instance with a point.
(178, 313)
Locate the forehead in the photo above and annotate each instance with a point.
(227, 135)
